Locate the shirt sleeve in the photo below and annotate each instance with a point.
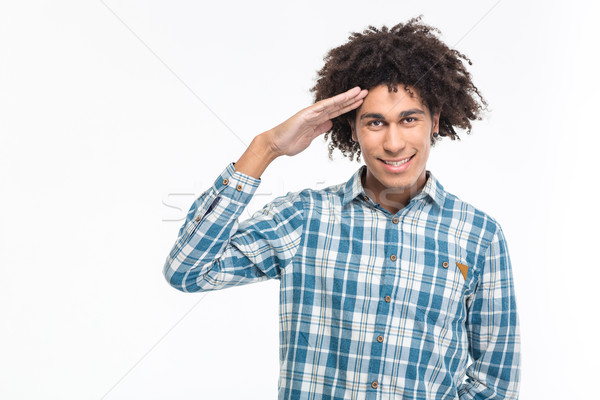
(493, 330)
(214, 251)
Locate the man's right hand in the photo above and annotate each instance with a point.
(295, 134)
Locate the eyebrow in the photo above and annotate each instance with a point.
(403, 114)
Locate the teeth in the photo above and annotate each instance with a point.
(396, 163)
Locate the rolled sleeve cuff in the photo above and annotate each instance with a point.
(235, 185)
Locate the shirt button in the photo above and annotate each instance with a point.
(380, 339)
(374, 384)
(239, 188)
(395, 220)
(393, 257)
(388, 299)
(225, 181)
(445, 264)
(198, 218)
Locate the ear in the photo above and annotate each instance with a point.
(435, 119)
(353, 128)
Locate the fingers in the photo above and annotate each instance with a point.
(344, 99)
(340, 101)
(327, 109)
(345, 109)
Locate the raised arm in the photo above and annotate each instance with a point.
(213, 250)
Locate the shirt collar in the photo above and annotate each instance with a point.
(433, 189)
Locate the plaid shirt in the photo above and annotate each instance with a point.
(416, 305)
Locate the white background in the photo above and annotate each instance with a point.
(114, 115)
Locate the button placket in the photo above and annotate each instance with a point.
(391, 253)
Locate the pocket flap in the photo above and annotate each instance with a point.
(464, 269)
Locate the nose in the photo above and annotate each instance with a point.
(394, 140)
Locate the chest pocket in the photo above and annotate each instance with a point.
(439, 286)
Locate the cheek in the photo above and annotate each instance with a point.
(426, 151)
(364, 142)
(426, 141)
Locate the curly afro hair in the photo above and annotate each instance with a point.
(408, 54)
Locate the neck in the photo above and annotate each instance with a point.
(391, 199)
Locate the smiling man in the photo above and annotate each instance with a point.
(394, 131)
(390, 287)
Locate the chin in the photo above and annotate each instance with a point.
(401, 185)
(402, 182)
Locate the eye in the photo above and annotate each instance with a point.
(409, 120)
(375, 123)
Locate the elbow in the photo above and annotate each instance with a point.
(174, 277)
(177, 285)
(183, 279)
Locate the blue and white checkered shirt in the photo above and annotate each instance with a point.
(415, 305)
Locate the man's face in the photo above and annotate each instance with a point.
(394, 132)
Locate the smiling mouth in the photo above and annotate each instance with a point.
(397, 163)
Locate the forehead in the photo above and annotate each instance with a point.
(382, 100)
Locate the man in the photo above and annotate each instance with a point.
(391, 287)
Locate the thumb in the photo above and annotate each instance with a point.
(322, 128)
